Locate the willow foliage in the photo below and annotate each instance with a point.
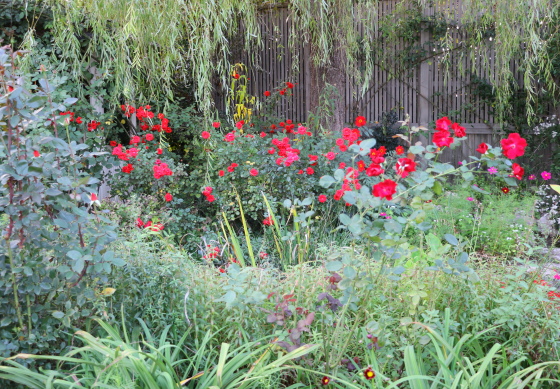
(150, 44)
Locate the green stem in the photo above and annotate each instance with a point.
(14, 285)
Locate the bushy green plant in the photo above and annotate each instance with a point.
(53, 254)
(495, 224)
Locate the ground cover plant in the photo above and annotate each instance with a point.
(315, 257)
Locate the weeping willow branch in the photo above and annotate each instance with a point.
(145, 47)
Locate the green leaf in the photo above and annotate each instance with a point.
(334, 266)
(437, 188)
(416, 149)
(229, 297)
(350, 272)
(58, 314)
(78, 266)
(344, 219)
(451, 239)
(73, 254)
(326, 181)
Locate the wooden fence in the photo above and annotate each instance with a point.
(432, 89)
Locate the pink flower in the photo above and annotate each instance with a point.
(492, 170)
(470, 199)
(322, 198)
(254, 172)
(205, 135)
(216, 124)
(546, 175)
(330, 155)
(557, 276)
(532, 177)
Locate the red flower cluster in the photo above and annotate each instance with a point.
(268, 221)
(211, 253)
(161, 170)
(442, 136)
(150, 225)
(128, 168)
(287, 154)
(93, 125)
(123, 154)
(207, 192)
(71, 118)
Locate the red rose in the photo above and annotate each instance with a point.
(266, 93)
(93, 197)
(221, 173)
(254, 172)
(405, 166)
(518, 171)
(168, 197)
(443, 124)
(309, 171)
(459, 131)
(360, 121)
(442, 138)
(385, 189)
(482, 148)
(513, 146)
(205, 135)
(374, 170)
(36, 153)
(149, 137)
(216, 124)
(322, 198)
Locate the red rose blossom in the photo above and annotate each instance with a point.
(442, 138)
(322, 198)
(459, 130)
(482, 148)
(254, 172)
(205, 135)
(385, 189)
(517, 171)
(405, 166)
(266, 93)
(513, 146)
(168, 197)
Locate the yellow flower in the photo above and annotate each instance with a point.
(123, 121)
